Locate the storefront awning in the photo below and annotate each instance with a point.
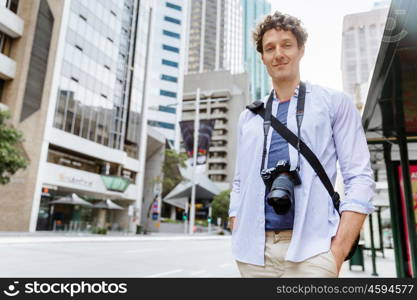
(108, 204)
(205, 189)
(72, 199)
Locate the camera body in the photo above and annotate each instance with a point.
(280, 182)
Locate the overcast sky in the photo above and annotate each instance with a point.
(323, 20)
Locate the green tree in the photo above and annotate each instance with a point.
(11, 158)
(220, 206)
(170, 169)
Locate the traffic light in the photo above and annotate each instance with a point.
(209, 219)
(184, 216)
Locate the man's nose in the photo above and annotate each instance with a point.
(278, 52)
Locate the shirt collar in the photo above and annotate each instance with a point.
(308, 89)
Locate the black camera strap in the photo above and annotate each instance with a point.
(269, 120)
(257, 107)
(299, 116)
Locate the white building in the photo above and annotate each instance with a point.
(362, 34)
(168, 40)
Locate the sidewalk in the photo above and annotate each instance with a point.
(385, 267)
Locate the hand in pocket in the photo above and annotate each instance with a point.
(232, 223)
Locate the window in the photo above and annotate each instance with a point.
(172, 20)
(167, 93)
(161, 124)
(171, 34)
(1, 87)
(170, 48)
(169, 78)
(2, 40)
(170, 63)
(167, 109)
(173, 6)
(10, 4)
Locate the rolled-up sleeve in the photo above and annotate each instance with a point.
(354, 158)
(235, 193)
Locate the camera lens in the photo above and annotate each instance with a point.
(280, 197)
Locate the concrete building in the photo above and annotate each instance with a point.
(362, 34)
(77, 93)
(168, 44)
(253, 12)
(30, 33)
(227, 95)
(215, 36)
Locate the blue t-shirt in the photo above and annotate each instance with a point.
(278, 150)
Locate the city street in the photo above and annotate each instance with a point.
(153, 256)
(170, 257)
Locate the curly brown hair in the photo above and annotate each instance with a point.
(282, 21)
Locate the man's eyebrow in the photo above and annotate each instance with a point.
(268, 44)
(282, 41)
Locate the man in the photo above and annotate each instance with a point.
(310, 240)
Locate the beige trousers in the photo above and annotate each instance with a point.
(276, 245)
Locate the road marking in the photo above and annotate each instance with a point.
(225, 265)
(139, 251)
(165, 273)
(195, 273)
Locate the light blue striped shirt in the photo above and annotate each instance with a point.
(332, 129)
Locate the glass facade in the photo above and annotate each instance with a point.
(95, 87)
(254, 11)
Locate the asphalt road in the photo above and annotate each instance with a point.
(159, 258)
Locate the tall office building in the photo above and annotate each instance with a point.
(215, 36)
(254, 11)
(362, 34)
(78, 96)
(168, 40)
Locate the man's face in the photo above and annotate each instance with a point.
(281, 54)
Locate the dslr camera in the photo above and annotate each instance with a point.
(280, 182)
